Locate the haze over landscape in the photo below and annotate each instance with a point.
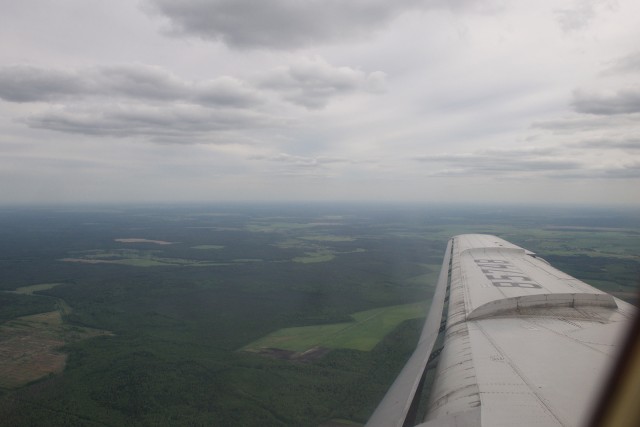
(410, 100)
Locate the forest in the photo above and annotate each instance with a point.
(157, 312)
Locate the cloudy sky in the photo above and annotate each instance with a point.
(372, 100)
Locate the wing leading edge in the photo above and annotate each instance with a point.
(524, 343)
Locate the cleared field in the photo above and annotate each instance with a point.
(135, 262)
(29, 347)
(137, 240)
(143, 262)
(277, 227)
(323, 255)
(29, 290)
(318, 256)
(366, 330)
(328, 238)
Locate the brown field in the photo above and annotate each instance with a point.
(29, 347)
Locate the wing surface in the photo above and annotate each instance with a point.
(525, 344)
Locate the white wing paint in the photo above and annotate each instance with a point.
(525, 344)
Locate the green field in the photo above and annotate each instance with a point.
(146, 262)
(366, 330)
(145, 258)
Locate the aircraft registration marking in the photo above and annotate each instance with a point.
(502, 274)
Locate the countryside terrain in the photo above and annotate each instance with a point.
(270, 315)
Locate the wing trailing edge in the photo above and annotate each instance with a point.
(398, 405)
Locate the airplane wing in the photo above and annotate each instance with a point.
(524, 343)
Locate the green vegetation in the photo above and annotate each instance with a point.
(17, 305)
(366, 330)
(172, 357)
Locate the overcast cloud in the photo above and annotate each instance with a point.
(623, 101)
(623, 144)
(140, 100)
(412, 100)
(628, 64)
(24, 83)
(518, 162)
(312, 82)
(581, 13)
(285, 24)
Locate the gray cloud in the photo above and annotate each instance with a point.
(623, 101)
(581, 14)
(178, 124)
(581, 123)
(601, 143)
(518, 152)
(226, 91)
(526, 162)
(628, 171)
(303, 161)
(141, 100)
(134, 81)
(631, 171)
(627, 64)
(576, 18)
(293, 165)
(135, 101)
(499, 162)
(309, 82)
(283, 24)
(312, 82)
(22, 83)
(28, 84)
